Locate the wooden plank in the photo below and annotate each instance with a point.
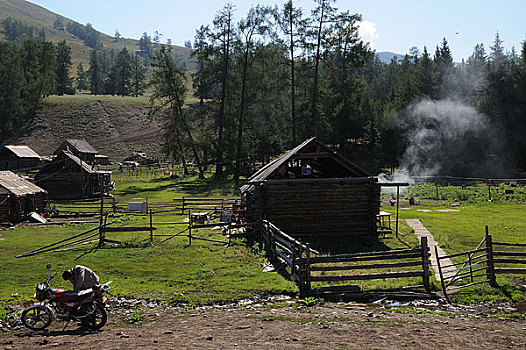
(365, 267)
(510, 244)
(127, 229)
(284, 257)
(372, 276)
(510, 261)
(328, 259)
(510, 270)
(516, 254)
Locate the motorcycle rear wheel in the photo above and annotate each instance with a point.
(37, 317)
(97, 316)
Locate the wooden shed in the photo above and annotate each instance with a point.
(79, 148)
(69, 177)
(18, 158)
(19, 197)
(315, 192)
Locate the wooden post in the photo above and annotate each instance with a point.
(470, 268)
(272, 244)
(301, 273)
(190, 229)
(489, 192)
(491, 264)
(436, 187)
(307, 271)
(425, 263)
(397, 207)
(151, 227)
(101, 231)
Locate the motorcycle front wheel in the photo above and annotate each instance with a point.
(96, 315)
(37, 317)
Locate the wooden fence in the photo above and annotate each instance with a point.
(481, 265)
(307, 269)
(187, 204)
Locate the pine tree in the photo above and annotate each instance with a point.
(168, 99)
(95, 74)
(64, 81)
(82, 78)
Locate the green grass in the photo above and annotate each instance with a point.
(202, 273)
(463, 229)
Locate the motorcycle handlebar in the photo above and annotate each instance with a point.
(50, 278)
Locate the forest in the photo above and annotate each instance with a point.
(276, 76)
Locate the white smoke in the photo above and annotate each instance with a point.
(399, 176)
(445, 137)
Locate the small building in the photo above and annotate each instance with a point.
(312, 191)
(19, 198)
(79, 148)
(69, 177)
(101, 159)
(18, 158)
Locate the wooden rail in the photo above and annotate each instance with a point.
(187, 204)
(307, 268)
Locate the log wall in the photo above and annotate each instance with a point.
(318, 207)
(15, 209)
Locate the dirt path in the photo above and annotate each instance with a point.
(421, 231)
(285, 326)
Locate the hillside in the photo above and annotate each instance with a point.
(37, 16)
(386, 56)
(115, 126)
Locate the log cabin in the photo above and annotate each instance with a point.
(69, 177)
(18, 158)
(19, 197)
(314, 192)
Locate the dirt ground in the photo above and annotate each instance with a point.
(283, 325)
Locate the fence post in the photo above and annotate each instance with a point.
(190, 229)
(425, 263)
(114, 205)
(272, 244)
(491, 264)
(307, 271)
(151, 227)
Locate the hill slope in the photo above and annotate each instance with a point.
(37, 16)
(115, 126)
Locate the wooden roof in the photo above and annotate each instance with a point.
(81, 145)
(16, 185)
(85, 166)
(22, 151)
(327, 163)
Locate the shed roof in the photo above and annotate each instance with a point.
(310, 149)
(81, 145)
(85, 166)
(23, 151)
(17, 185)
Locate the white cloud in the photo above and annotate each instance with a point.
(368, 32)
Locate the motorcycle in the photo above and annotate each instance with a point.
(86, 306)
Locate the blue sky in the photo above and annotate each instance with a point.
(389, 25)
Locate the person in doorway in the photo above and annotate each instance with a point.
(81, 277)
